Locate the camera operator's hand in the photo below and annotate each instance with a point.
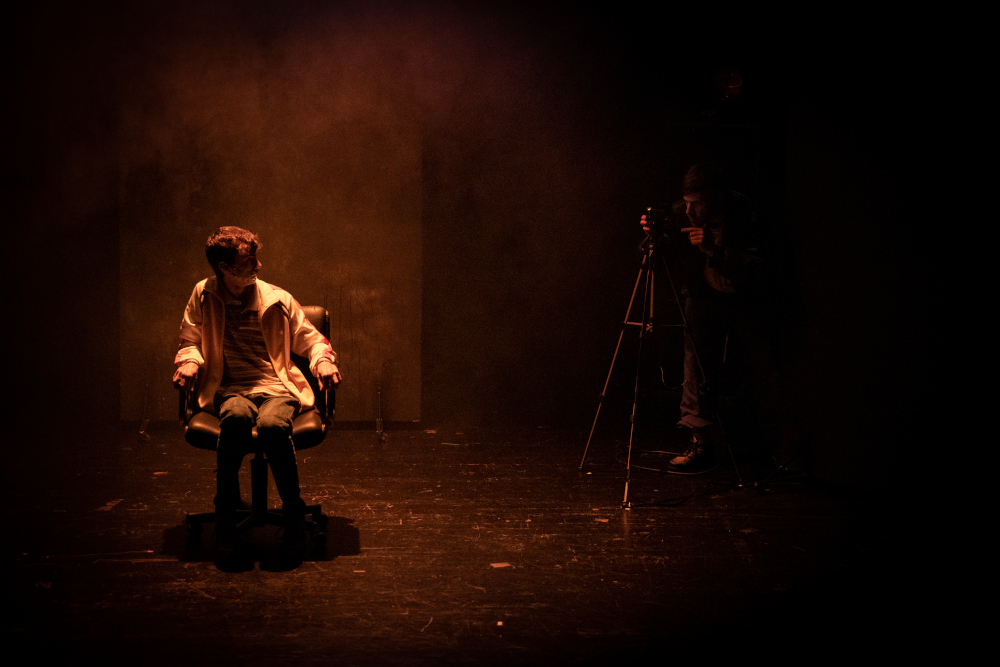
(647, 226)
(700, 239)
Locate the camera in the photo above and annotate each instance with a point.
(666, 220)
(657, 216)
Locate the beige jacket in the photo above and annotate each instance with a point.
(285, 327)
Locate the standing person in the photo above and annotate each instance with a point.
(235, 342)
(718, 257)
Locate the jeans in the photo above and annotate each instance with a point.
(273, 418)
(710, 318)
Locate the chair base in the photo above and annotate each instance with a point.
(246, 519)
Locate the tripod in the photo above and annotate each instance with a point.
(646, 278)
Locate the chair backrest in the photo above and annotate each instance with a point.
(320, 318)
(309, 428)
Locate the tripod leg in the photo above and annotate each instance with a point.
(643, 268)
(647, 307)
(725, 439)
(762, 484)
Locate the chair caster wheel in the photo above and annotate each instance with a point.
(319, 538)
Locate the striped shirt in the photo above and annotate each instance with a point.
(247, 368)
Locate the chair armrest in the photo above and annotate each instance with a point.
(330, 404)
(186, 402)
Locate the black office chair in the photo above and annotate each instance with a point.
(201, 429)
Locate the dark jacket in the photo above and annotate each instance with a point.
(739, 256)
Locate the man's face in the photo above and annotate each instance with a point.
(243, 271)
(697, 209)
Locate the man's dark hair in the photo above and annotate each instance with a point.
(704, 179)
(225, 244)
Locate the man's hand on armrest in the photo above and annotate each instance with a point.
(185, 375)
(328, 375)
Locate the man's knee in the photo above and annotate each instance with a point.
(237, 412)
(275, 419)
(274, 426)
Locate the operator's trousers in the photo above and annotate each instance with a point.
(711, 317)
(272, 416)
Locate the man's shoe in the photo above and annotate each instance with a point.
(226, 544)
(293, 541)
(293, 546)
(697, 458)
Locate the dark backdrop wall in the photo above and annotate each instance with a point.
(302, 128)
(460, 186)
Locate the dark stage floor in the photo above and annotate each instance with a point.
(488, 547)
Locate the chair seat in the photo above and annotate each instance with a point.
(202, 430)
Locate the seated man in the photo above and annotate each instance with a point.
(235, 340)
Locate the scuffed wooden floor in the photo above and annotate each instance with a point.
(449, 547)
